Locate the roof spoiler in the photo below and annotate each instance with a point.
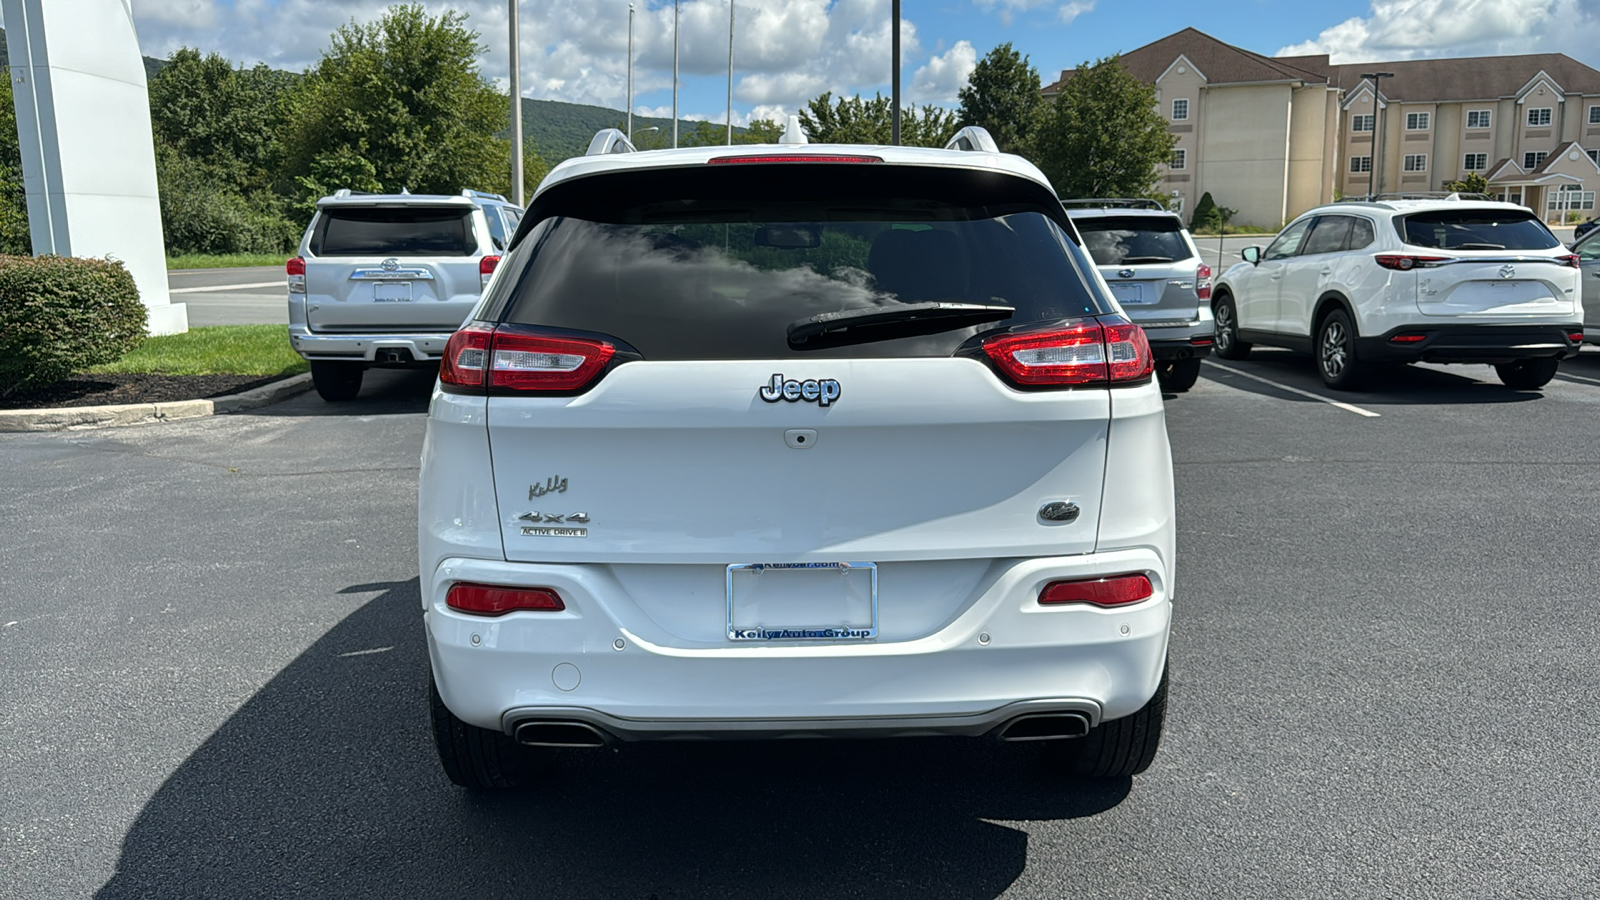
(1113, 203)
(609, 140)
(973, 138)
(483, 195)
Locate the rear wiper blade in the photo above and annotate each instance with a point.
(1135, 260)
(801, 330)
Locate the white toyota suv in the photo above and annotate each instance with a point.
(1448, 280)
(385, 279)
(795, 440)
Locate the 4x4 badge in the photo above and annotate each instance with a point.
(821, 392)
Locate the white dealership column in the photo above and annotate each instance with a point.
(88, 157)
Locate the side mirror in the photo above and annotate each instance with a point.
(1252, 255)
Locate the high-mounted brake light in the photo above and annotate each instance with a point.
(1202, 282)
(794, 158)
(1117, 590)
(1407, 263)
(1114, 353)
(296, 269)
(486, 267)
(507, 358)
(492, 600)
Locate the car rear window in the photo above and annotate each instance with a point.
(718, 264)
(1133, 240)
(394, 231)
(1476, 229)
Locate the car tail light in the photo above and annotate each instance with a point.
(466, 356)
(535, 362)
(492, 600)
(486, 268)
(1117, 590)
(795, 158)
(1407, 263)
(1571, 259)
(1090, 353)
(1202, 282)
(296, 269)
(1408, 338)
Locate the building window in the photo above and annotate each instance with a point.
(1594, 155)
(1180, 110)
(1533, 159)
(1594, 115)
(1479, 118)
(1540, 116)
(1417, 121)
(1359, 164)
(1180, 159)
(1361, 123)
(1570, 196)
(1475, 162)
(1416, 162)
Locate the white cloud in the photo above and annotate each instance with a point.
(772, 113)
(945, 75)
(1070, 11)
(1407, 29)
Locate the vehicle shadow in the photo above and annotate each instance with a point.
(1390, 384)
(325, 783)
(383, 392)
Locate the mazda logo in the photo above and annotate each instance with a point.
(1508, 271)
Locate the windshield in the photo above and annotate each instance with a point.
(1477, 229)
(1131, 240)
(394, 231)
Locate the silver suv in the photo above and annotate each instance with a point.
(1153, 269)
(385, 279)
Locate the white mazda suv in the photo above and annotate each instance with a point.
(795, 440)
(1359, 283)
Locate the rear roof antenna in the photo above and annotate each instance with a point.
(794, 134)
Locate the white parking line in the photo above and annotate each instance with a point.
(1294, 390)
(1586, 380)
(227, 287)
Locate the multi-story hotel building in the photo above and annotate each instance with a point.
(1275, 136)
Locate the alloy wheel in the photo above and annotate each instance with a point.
(1335, 350)
(1223, 315)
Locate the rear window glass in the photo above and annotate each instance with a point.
(394, 231)
(1476, 229)
(1133, 240)
(722, 269)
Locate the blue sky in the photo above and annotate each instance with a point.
(788, 51)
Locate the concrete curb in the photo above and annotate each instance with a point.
(136, 413)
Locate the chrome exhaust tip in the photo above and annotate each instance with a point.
(1052, 726)
(538, 733)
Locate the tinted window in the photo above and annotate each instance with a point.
(1476, 229)
(1288, 241)
(393, 231)
(497, 228)
(1130, 240)
(1361, 234)
(734, 257)
(1328, 235)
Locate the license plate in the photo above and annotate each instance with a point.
(391, 292)
(1128, 293)
(803, 601)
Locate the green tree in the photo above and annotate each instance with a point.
(1002, 96)
(14, 237)
(1472, 183)
(1102, 137)
(398, 104)
(853, 120)
(760, 131)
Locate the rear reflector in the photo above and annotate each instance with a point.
(794, 158)
(1575, 336)
(1408, 338)
(1089, 354)
(1118, 590)
(1201, 341)
(491, 600)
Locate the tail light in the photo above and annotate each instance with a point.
(487, 356)
(492, 600)
(1089, 354)
(296, 269)
(1202, 282)
(1117, 590)
(1407, 263)
(1571, 259)
(486, 268)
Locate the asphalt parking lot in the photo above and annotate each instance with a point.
(1382, 680)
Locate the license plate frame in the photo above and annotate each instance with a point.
(391, 292)
(788, 605)
(1129, 294)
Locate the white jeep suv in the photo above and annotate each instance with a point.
(795, 440)
(1433, 280)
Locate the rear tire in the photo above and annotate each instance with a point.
(1178, 375)
(1121, 747)
(1527, 374)
(476, 758)
(1226, 314)
(1335, 350)
(337, 381)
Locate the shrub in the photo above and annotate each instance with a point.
(1205, 214)
(60, 315)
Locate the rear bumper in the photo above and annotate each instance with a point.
(1471, 343)
(1180, 338)
(1004, 655)
(1194, 348)
(371, 347)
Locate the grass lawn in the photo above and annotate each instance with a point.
(218, 350)
(227, 261)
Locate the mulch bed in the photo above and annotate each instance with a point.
(110, 390)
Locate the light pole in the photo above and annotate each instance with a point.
(1375, 183)
(630, 72)
(674, 74)
(516, 109)
(730, 73)
(894, 81)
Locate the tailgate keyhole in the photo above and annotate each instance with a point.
(800, 438)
